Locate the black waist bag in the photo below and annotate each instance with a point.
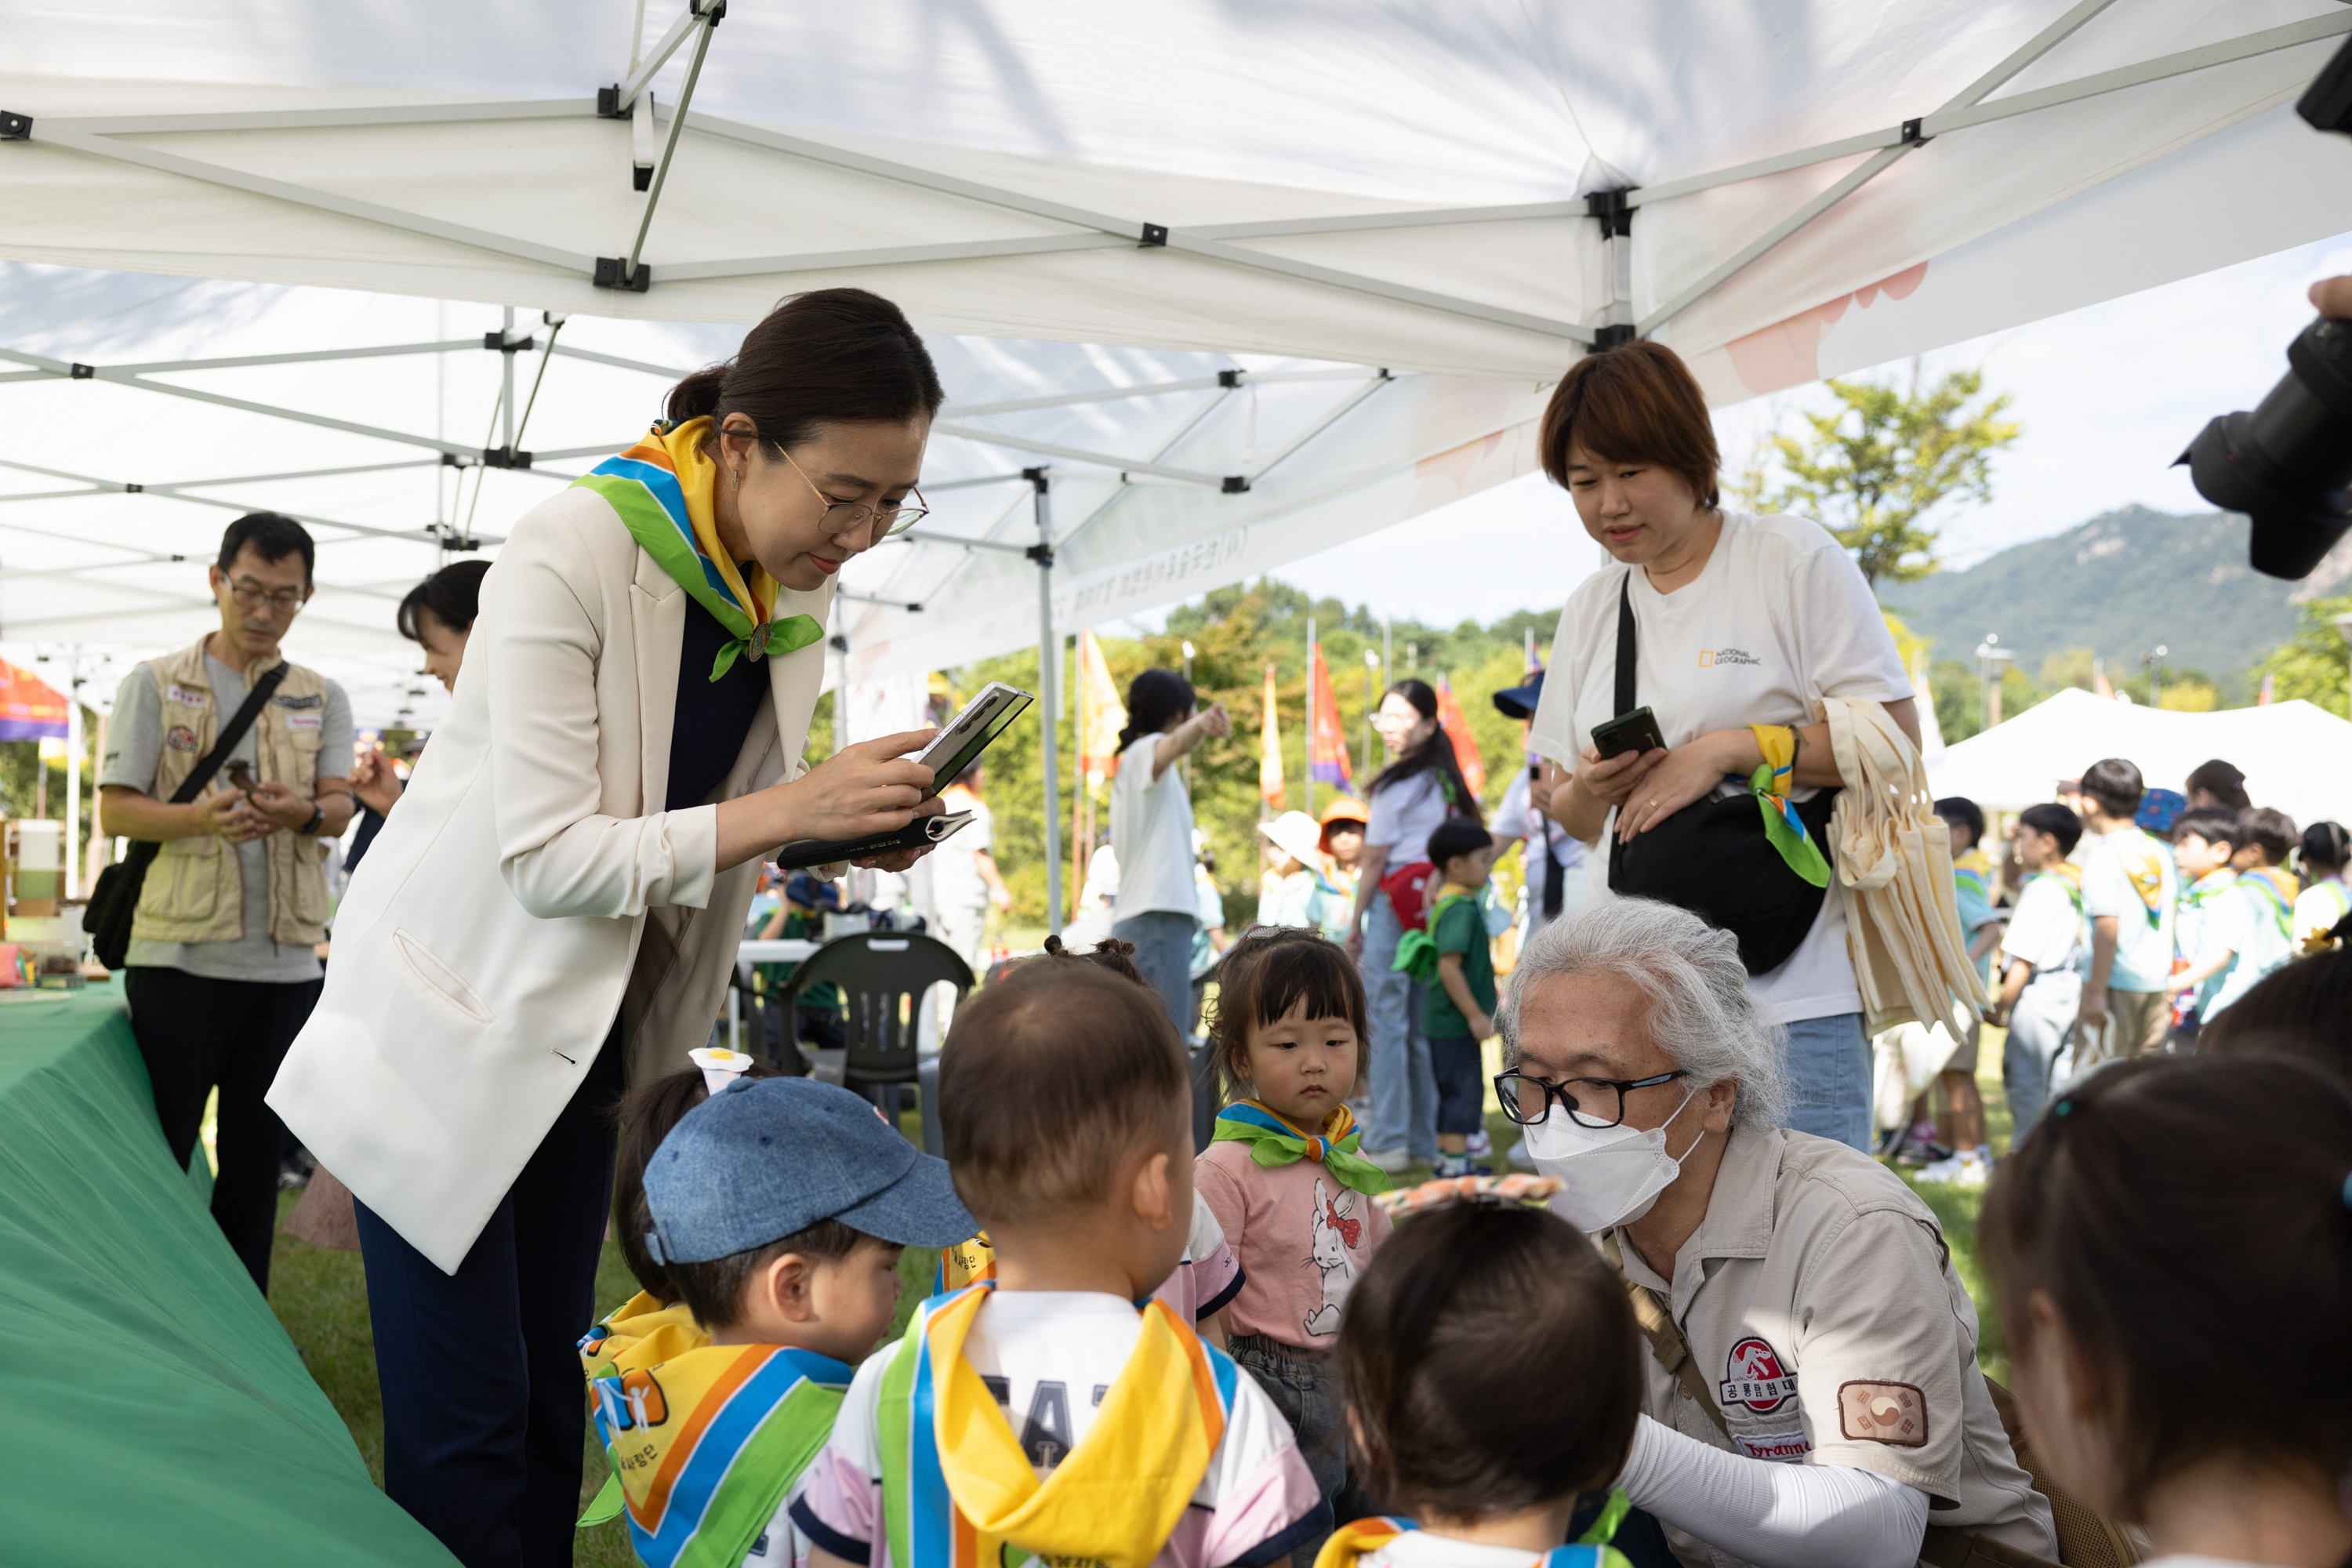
(1712, 856)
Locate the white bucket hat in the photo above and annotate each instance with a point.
(1296, 834)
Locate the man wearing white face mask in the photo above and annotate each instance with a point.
(1813, 1395)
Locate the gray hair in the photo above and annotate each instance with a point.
(1700, 1014)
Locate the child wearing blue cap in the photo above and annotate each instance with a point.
(775, 1212)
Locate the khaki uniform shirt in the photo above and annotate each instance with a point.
(1820, 1304)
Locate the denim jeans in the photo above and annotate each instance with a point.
(1305, 1389)
(1163, 952)
(1828, 1080)
(1405, 1089)
(2045, 1011)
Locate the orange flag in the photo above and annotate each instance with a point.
(1327, 760)
(1270, 756)
(1451, 720)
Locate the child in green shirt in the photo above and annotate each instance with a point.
(1460, 1012)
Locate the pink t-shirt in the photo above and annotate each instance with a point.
(1300, 1237)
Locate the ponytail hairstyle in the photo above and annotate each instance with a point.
(1157, 696)
(830, 356)
(2325, 850)
(2187, 1220)
(1434, 755)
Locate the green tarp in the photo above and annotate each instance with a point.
(157, 1411)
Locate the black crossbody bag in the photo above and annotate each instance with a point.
(114, 901)
(1712, 856)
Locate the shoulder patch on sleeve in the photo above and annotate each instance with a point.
(1892, 1413)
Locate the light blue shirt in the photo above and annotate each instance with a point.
(2143, 938)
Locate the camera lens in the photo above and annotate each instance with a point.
(2287, 465)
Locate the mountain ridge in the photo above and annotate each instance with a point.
(2121, 584)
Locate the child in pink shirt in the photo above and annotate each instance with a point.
(1285, 1177)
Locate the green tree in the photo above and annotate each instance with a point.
(2313, 666)
(1873, 469)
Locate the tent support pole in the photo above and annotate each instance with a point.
(708, 16)
(1049, 674)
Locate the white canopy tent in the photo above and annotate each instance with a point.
(2293, 753)
(1436, 208)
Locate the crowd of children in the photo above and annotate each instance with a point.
(2137, 915)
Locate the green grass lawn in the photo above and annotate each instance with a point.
(322, 1299)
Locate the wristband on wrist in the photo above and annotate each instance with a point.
(318, 820)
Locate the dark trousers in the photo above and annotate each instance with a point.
(195, 1034)
(484, 1406)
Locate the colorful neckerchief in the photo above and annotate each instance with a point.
(2143, 864)
(1973, 872)
(1351, 1542)
(1274, 1140)
(706, 1444)
(1785, 830)
(957, 1489)
(2273, 888)
(2066, 875)
(964, 1264)
(2315, 939)
(662, 488)
(2209, 887)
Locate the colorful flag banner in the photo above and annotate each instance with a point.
(2270, 693)
(1456, 725)
(1269, 755)
(30, 709)
(1103, 715)
(1327, 760)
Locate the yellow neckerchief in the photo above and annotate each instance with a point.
(2144, 866)
(641, 1332)
(1777, 743)
(698, 478)
(963, 1263)
(1117, 1497)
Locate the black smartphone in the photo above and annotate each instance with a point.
(1634, 732)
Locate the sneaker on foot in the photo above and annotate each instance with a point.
(1944, 1170)
(1453, 1165)
(1481, 1144)
(1930, 1153)
(1391, 1160)
(1976, 1167)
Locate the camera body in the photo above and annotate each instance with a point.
(2288, 464)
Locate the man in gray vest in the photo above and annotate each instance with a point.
(222, 969)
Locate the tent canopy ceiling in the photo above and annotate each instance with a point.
(1380, 219)
(1402, 188)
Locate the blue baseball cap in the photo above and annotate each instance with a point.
(766, 1158)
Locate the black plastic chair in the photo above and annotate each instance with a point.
(883, 977)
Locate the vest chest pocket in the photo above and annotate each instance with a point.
(184, 884)
(302, 735)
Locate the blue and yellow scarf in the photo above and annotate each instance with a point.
(1351, 1542)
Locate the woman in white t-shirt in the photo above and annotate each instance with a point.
(1157, 906)
(1418, 789)
(2173, 1250)
(1740, 620)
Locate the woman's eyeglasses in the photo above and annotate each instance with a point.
(857, 517)
(1592, 1102)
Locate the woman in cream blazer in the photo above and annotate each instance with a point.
(543, 918)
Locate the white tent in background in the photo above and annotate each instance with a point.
(2293, 754)
(1435, 206)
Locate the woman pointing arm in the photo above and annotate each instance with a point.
(552, 912)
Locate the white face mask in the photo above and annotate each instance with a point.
(1612, 1175)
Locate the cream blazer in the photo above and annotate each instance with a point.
(530, 884)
